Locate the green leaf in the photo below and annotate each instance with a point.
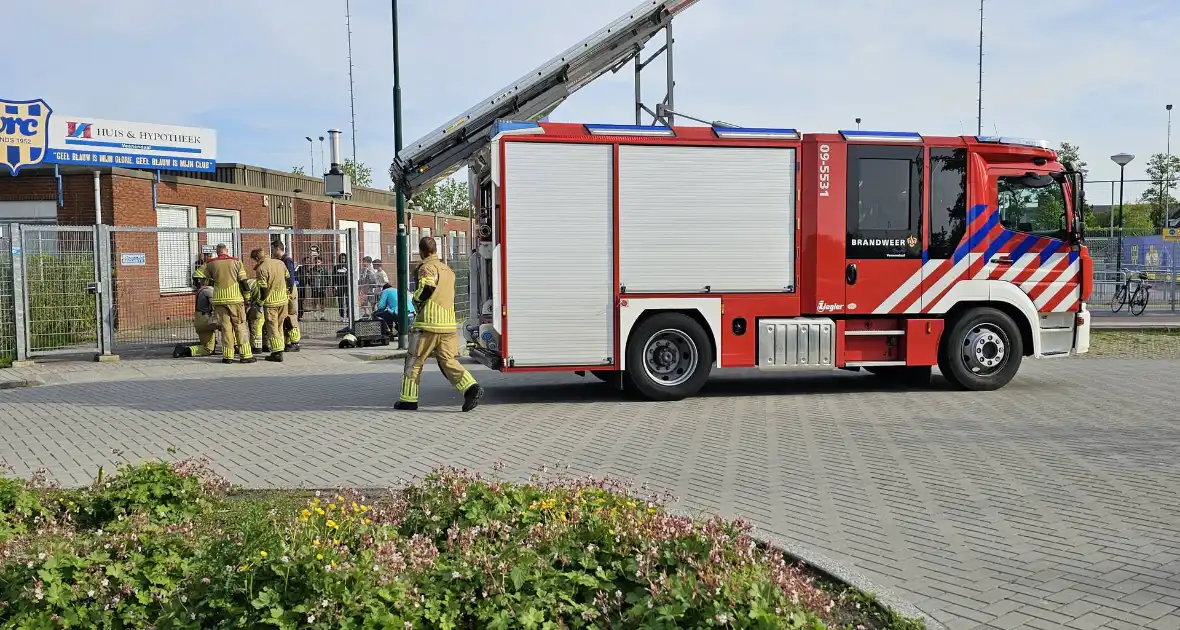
(531, 618)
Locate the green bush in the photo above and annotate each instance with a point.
(454, 551)
(61, 310)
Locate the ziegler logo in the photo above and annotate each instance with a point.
(825, 171)
(825, 307)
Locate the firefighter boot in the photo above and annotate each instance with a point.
(406, 406)
(181, 351)
(275, 357)
(472, 396)
(250, 360)
(292, 347)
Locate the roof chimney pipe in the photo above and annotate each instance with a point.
(334, 151)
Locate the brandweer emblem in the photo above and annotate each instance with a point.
(24, 133)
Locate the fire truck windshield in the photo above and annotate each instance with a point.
(1033, 204)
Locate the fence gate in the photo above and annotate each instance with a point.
(55, 269)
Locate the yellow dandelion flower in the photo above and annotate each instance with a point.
(336, 541)
(315, 543)
(332, 524)
(339, 498)
(319, 556)
(331, 506)
(319, 511)
(262, 553)
(241, 568)
(367, 521)
(306, 513)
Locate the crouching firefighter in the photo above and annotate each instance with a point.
(203, 320)
(435, 332)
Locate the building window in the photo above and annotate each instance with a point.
(224, 222)
(948, 201)
(346, 225)
(371, 232)
(884, 202)
(463, 244)
(281, 234)
(176, 251)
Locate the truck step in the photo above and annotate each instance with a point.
(873, 363)
(873, 333)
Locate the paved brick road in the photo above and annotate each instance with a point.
(1053, 503)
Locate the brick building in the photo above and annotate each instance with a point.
(235, 196)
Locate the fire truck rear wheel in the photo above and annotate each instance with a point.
(982, 350)
(669, 357)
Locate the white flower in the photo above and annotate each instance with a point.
(285, 559)
(41, 556)
(192, 616)
(454, 575)
(90, 593)
(324, 604)
(29, 564)
(105, 582)
(98, 533)
(723, 618)
(311, 618)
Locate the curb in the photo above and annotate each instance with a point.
(853, 578)
(20, 383)
(1137, 328)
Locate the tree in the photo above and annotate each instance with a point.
(1069, 155)
(360, 174)
(1162, 171)
(448, 196)
(297, 170)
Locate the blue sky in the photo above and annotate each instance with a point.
(266, 73)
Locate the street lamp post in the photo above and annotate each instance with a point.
(858, 124)
(311, 154)
(403, 252)
(323, 164)
(1168, 171)
(1122, 159)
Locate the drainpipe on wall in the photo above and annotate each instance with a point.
(155, 195)
(334, 225)
(97, 198)
(57, 176)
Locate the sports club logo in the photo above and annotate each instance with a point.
(24, 133)
(78, 130)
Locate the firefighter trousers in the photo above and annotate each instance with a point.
(291, 323)
(275, 316)
(206, 327)
(232, 320)
(444, 347)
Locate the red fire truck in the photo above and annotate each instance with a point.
(648, 256)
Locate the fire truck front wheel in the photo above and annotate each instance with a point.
(669, 357)
(982, 351)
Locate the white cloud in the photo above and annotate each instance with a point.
(266, 74)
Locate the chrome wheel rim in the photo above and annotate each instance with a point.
(670, 357)
(985, 349)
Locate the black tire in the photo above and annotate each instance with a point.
(982, 350)
(1139, 300)
(904, 375)
(1116, 302)
(681, 357)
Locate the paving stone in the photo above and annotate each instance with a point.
(1052, 503)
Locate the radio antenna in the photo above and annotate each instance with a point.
(351, 91)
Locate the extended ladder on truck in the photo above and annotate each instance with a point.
(441, 152)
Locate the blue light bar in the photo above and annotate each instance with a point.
(515, 128)
(630, 130)
(1024, 142)
(761, 133)
(881, 136)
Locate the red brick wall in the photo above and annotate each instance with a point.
(127, 201)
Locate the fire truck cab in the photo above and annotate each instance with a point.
(649, 256)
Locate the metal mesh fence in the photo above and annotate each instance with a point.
(7, 312)
(154, 298)
(59, 270)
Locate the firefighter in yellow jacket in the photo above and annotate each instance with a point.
(254, 315)
(229, 303)
(274, 287)
(435, 332)
(203, 319)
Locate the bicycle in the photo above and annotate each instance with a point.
(1134, 292)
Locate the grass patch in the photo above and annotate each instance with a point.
(1134, 344)
(168, 546)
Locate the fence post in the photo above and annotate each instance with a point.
(1172, 275)
(106, 301)
(354, 247)
(19, 308)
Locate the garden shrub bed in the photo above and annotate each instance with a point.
(163, 546)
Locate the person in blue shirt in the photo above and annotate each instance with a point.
(387, 307)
